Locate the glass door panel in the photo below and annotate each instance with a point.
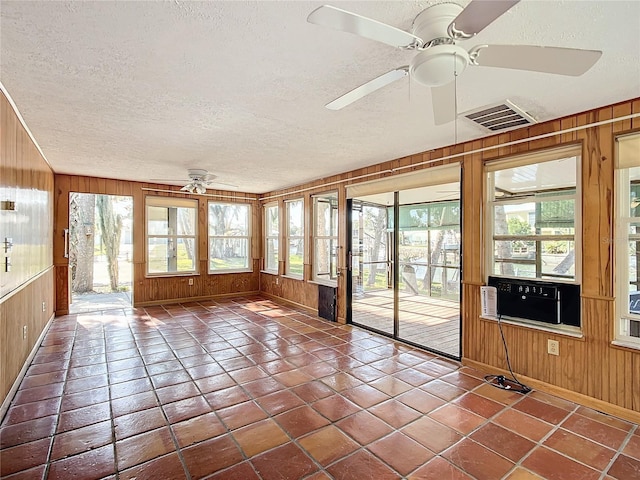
(372, 299)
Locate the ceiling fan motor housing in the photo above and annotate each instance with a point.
(442, 60)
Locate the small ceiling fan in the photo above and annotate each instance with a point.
(435, 35)
(198, 181)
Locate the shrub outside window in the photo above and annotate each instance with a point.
(325, 233)
(171, 235)
(533, 206)
(229, 237)
(627, 244)
(272, 237)
(295, 238)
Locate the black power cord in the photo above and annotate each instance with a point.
(502, 382)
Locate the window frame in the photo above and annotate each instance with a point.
(273, 237)
(321, 277)
(247, 237)
(171, 202)
(623, 221)
(289, 238)
(523, 160)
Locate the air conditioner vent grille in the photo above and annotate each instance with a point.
(503, 116)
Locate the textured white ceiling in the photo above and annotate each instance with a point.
(142, 90)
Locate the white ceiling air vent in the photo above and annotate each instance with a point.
(498, 117)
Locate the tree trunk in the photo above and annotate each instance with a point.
(81, 241)
(111, 230)
(504, 248)
(380, 230)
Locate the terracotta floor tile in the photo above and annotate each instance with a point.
(335, 407)
(503, 441)
(187, 408)
(144, 447)
(413, 377)
(278, 402)
(84, 416)
(367, 373)
(170, 378)
(479, 405)
(84, 399)
(477, 461)
(138, 422)
(292, 378)
(198, 429)
(543, 411)
(395, 413)
(211, 456)
(579, 448)
(461, 380)
(552, 400)
(287, 461)
(174, 393)
(625, 468)
(32, 381)
(241, 471)
(81, 439)
(88, 371)
(29, 431)
(553, 466)
(604, 418)
(242, 414)
(522, 474)
(264, 386)
(365, 396)
(300, 421)
(24, 456)
(131, 387)
(361, 465)
(457, 418)
(444, 390)
(167, 466)
(433, 435)
(29, 411)
(126, 375)
(260, 437)
(341, 381)
(36, 473)
(391, 386)
(632, 448)
(215, 383)
(277, 366)
(312, 391)
(364, 427)
(133, 403)
(523, 424)
(401, 452)
(420, 400)
(227, 397)
(36, 394)
(389, 365)
(94, 464)
(438, 468)
(505, 397)
(328, 445)
(596, 431)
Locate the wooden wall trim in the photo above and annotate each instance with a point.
(195, 299)
(575, 397)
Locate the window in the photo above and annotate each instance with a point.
(325, 234)
(628, 240)
(295, 238)
(533, 202)
(171, 235)
(229, 237)
(271, 240)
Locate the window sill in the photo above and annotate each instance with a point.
(566, 330)
(627, 344)
(269, 272)
(171, 275)
(292, 277)
(224, 272)
(326, 283)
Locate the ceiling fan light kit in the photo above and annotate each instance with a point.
(439, 59)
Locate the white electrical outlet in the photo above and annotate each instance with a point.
(44, 306)
(553, 347)
(191, 281)
(24, 332)
(277, 280)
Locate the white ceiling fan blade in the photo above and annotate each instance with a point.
(477, 15)
(369, 87)
(443, 98)
(561, 61)
(230, 185)
(338, 19)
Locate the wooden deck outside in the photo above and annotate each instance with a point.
(427, 321)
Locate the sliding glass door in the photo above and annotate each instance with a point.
(405, 265)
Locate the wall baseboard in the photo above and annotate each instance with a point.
(312, 311)
(171, 301)
(585, 400)
(6, 402)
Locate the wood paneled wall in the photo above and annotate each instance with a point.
(149, 290)
(589, 369)
(26, 291)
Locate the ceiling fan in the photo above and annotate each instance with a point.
(198, 181)
(435, 35)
